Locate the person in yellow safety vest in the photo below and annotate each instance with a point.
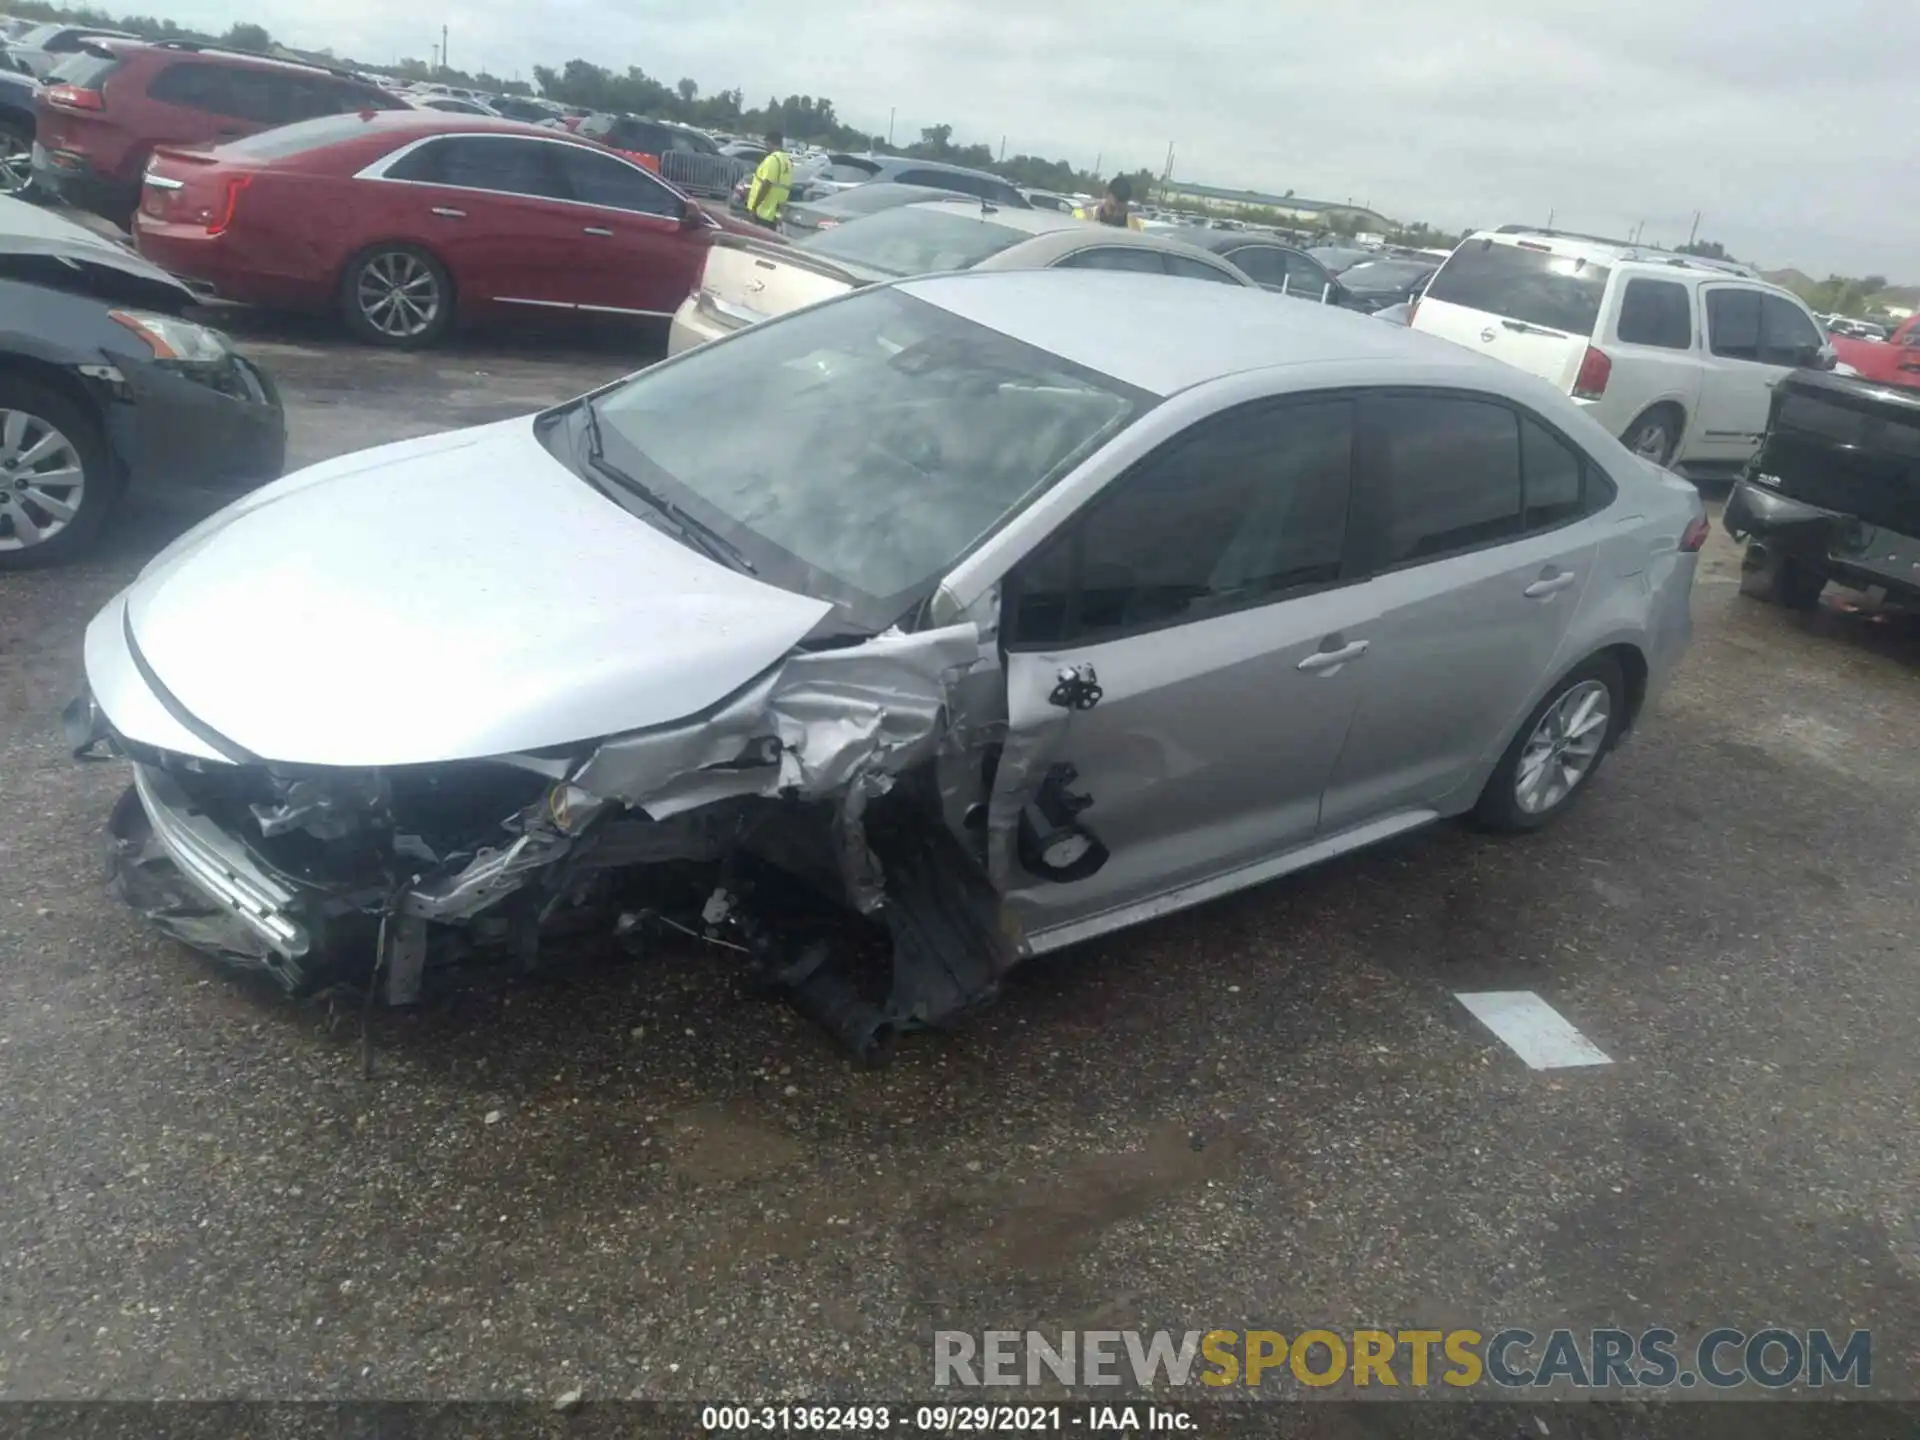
(772, 183)
(1116, 208)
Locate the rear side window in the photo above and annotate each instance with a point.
(1733, 323)
(1559, 292)
(1243, 509)
(1452, 472)
(1657, 312)
(83, 71)
(196, 87)
(498, 163)
(1189, 268)
(596, 179)
(1263, 264)
(1140, 260)
(1787, 337)
(1554, 476)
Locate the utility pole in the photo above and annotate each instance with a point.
(890, 110)
(1166, 171)
(443, 49)
(1097, 156)
(1551, 212)
(1694, 233)
(1003, 148)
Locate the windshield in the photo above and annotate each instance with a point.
(873, 441)
(1534, 286)
(912, 241)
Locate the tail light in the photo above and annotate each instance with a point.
(218, 222)
(1595, 369)
(72, 97)
(1694, 536)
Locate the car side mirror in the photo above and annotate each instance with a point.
(1825, 358)
(692, 217)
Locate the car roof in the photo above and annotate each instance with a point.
(410, 122)
(1163, 333)
(1032, 222)
(123, 46)
(1221, 241)
(1613, 252)
(907, 162)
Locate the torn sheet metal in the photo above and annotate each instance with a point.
(1035, 736)
(833, 724)
(807, 729)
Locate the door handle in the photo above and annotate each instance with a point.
(597, 230)
(1548, 585)
(1328, 659)
(449, 213)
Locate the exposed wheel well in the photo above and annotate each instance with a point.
(1633, 669)
(63, 382)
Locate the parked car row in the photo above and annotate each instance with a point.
(107, 386)
(1674, 354)
(108, 107)
(402, 220)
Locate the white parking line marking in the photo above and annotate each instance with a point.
(1532, 1029)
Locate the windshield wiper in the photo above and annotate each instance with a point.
(701, 536)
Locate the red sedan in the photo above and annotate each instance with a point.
(402, 218)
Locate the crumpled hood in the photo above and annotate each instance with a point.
(449, 598)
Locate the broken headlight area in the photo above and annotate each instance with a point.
(404, 880)
(804, 825)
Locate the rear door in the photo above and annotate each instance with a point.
(1527, 302)
(1736, 385)
(1477, 575)
(490, 206)
(1207, 593)
(636, 256)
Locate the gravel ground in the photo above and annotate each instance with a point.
(634, 1179)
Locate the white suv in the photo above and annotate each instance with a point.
(1674, 354)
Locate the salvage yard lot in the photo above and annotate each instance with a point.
(635, 1177)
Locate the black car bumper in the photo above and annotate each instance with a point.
(1841, 547)
(213, 432)
(72, 179)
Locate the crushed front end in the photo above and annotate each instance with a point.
(803, 825)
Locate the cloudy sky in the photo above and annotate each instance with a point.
(1788, 124)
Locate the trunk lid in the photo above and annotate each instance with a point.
(748, 280)
(1525, 302)
(183, 186)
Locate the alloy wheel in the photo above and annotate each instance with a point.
(1561, 751)
(1650, 442)
(42, 480)
(398, 294)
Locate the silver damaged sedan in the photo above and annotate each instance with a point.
(1023, 606)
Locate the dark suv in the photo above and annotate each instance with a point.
(676, 153)
(102, 111)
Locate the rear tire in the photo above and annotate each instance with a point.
(1654, 436)
(54, 506)
(1779, 579)
(396, 295)
(1531, 787)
